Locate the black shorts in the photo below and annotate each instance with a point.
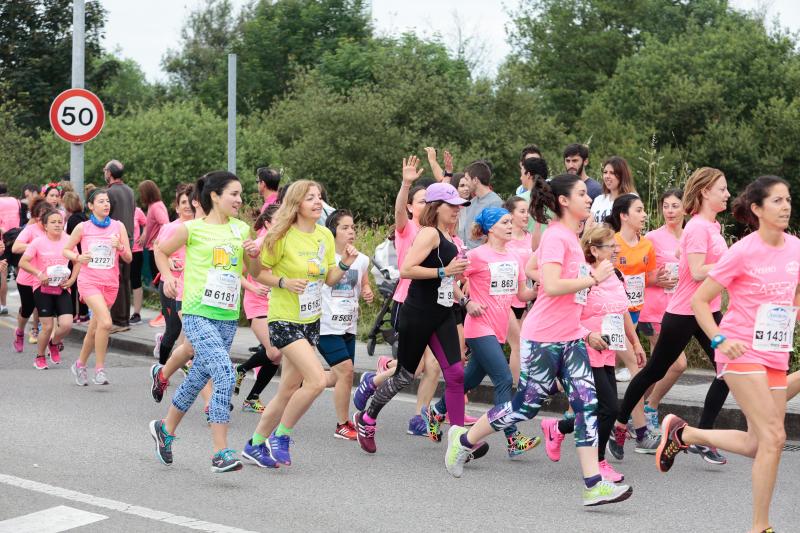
(136, 270)
(50, 305)
(460, 313)
(27, 303)
(282, 333)
(518, 312)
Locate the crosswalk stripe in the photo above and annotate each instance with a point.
(53, 520)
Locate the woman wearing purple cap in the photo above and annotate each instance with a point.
(426, 318)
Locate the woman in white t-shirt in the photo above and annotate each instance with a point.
(617, 181)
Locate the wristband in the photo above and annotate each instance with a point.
(464, 301)
(441, 273)
(591, 275)
(718, 339)
(343, 267)
(280, 283)
(448, 174)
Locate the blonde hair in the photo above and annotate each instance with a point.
(288, 211)
(595, 236)
(700, 180)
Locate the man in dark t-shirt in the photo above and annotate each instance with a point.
(576, 159)
(122, 208)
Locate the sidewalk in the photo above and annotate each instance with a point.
(685, 399)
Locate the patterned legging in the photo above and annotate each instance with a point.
(541, 364)
(211, 340)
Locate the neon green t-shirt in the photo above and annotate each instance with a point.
(300, 255)
(213, 268)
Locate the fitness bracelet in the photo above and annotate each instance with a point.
(343, 267)
(280, 283)
(718, 339)
(441, 273)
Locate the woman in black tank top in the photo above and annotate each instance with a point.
(426, 317)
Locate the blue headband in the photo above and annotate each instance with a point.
(489, 217)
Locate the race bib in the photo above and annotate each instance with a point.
(634, 286)
(56, 275)
(343, 312)
(103, 255)
(614, 328)
(582, 296)
(221, 290)
(774, 328)
(672, 270)
(311, 300)
(444, 296)
(503, 278)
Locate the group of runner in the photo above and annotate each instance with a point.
(575, 248)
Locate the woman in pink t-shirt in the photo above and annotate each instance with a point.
(139, 221)
(26, 280)
(521, 245)
(496, 277)
(553, 346)
(753, 341)
(103, 243)
(701, 246)
(50, 269)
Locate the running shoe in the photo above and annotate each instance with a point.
(623, 374)
(433, 422)
(517, 444)
(552, 439)
(383, 363)
(225, 461)
(253, 406)
(40, 363)
(240, 374)
(346, 431)
(608, 472)
(670, 443)
(163, 441)
(136, 318)
(3, 310)
(279, 448)
(55, 352)
(19, 341)
(709, 454)
(364, 391)
(365, 433)
(159, 384)
(100, 377)
(82, 319)
(33, 338)
(606, 492)
(648, 444)
(417, 427)
(81, 379)
(616, 445)
(159, 322)
(457, 454)
(651, 417)
(157, 348)
(259, 455)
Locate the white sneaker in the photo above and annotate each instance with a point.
(100, 377)
(623, 374)
(157, 349)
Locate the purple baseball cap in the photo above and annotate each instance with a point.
(444, 192)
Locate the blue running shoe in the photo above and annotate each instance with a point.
(433, 422)
(259, 455)
(417, 427)
(225, 461)
(279, 448)
(364, 391)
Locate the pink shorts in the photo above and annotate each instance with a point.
(109, 292)
(776, 379)
(255, 306)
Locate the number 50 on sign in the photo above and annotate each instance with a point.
(77, 115)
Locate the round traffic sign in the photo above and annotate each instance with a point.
(77, 115)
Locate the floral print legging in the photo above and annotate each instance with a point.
(541, 364)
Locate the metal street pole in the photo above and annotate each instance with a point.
(78, 39)
(232, 113)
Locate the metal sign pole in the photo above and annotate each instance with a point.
(232, 113)
(78, 39)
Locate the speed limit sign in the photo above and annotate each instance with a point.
(77, 115)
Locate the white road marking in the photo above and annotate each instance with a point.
(53, 520)
(122, 507)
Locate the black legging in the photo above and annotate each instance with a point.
(172, 321)
(265, 375)
(676, 332)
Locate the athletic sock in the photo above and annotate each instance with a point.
(565, 426)
(258, 439)
(679, 436)
(592, 481)
(78, 364)
(465, 441)
(283, 430)
(368, 419)
(641, 432)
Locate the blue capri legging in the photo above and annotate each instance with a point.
(211, 341)
(541, 364)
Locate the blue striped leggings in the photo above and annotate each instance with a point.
(211, 341)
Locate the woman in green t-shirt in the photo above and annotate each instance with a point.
(215, 248)
(297, 257)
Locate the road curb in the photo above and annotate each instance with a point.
(729, 417)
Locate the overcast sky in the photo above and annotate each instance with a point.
(143, 30)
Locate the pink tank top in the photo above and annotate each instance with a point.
(104, 266)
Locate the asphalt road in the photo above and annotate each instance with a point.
(88, 450)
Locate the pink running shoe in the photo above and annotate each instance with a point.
(19, 341)
(468, 420)
(383, 363)
(552, 438)
(608, 472)
(55, 354)
(40, 363)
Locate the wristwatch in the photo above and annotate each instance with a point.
(441, 273)
(717, 340)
